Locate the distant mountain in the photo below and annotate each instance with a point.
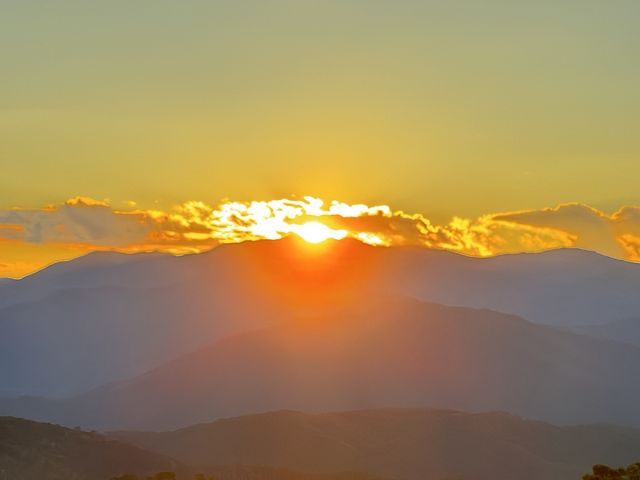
(557, 287)
(105, 317)
(411, 444)
(108, 316)
(39, 451)
(390, 352)
(97, 269)
(626, 330)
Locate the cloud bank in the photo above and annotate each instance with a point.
(83, 224)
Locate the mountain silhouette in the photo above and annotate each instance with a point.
(104, 317)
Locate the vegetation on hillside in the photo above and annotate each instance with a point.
(599, 472)
(604, 472)
(244, 472)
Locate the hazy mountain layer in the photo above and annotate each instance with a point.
(107, 316)
(626, 330)
(390, 352)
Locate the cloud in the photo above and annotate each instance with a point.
(87, 202)
(94, 224)
(75, 222)
(614, 235)
(631, 245)
(85, 224)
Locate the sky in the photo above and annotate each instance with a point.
(461, 110)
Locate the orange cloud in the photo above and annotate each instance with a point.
(87, 202)
(81, 225)
(588, 227)
(631, 245)
(84, 224)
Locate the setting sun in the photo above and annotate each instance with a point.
(316, 232)
(302, 240)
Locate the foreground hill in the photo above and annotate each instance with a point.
(263, 472)
(39, 451)
(393, 352)
(401, 443)
(80, 324)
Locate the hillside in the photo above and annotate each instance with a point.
(39, 451)
(402, 443)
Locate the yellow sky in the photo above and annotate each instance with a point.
(444, 108)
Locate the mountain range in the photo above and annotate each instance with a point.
(410, 444)
(626, 330)
(192, 347)
(381, 444)
(383, 352)
(401, 444)
(36, 451)
(106, 317)
(150, 341)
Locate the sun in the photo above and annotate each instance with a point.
(316, 232)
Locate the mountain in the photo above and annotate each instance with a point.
(79, 324)
(110, 316)
(401, 443)
(563, 287)
(385, 352)
(626, 330)
(93, 270)
(39, 451)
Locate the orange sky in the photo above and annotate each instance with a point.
(477, 123)
(33, 238)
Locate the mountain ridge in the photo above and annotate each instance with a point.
(411, 443)
(32, 451)
(110, 301)
(398, 352)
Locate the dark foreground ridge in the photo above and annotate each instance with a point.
(42, 451)
(409, 444)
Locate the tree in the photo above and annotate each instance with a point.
(163, 476)
(604, 472)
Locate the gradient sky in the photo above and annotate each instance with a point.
(445, 108)
(440, 107)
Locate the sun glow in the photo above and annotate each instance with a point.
(316, 232)
(274, 219)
